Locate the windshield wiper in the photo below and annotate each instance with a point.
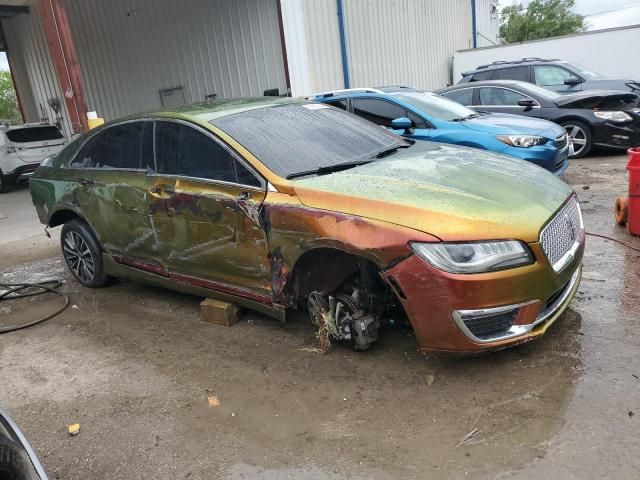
(328, 169)
(468, 117)
(390, 151)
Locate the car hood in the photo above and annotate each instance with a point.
(592, 98)
(505, 123)
(454, 193)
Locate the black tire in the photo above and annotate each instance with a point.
(582, 132)
(6, 182)
(14, 463)
(83, 254)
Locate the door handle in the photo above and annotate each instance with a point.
(162, 189)
(86, 182)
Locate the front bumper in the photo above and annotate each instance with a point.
(436, 302)
(617, 135)
(547, 156)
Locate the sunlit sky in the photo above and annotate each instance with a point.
(601, 14)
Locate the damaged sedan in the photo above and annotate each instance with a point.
(277, 204)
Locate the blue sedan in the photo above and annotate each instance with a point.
(426, 116)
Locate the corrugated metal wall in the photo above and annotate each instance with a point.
(406, 41)
(130, 49)
(487, 22)
(323, 40)
(32, 66)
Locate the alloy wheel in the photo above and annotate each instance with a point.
(577, 139)
(78, 256)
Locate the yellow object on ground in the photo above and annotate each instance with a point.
(74, 428)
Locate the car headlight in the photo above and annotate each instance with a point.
(613, 116)
(474, 257)
(524, 141)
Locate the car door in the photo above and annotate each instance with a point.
(505, 100)
(383, 112)
(553, 77)
(110, 189)
(207, 212)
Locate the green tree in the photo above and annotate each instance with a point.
(9, 110)
(539, 19)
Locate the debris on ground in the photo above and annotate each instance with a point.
(430, 379)
(73, 428)
(468, 437)
(213, 401)
(593, 276)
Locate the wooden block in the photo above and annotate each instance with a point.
(222, 313)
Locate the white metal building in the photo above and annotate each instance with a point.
(123, 56)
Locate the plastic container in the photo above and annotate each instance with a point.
(93, 120)
(633, 209)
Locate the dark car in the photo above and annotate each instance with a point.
(552, 74)
(606, 118)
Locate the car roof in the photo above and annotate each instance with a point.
(30, 125)
(509, 63)
(486, 83)
(208, 111)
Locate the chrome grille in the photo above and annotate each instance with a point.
(562, 141)
(563, 235)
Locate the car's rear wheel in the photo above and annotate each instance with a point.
(579, 138)
(83, 254)
(5, 183)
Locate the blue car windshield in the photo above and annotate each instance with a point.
(436, 106)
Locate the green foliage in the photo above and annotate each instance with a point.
(9, 110)
(539, 19)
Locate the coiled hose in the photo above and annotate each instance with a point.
(22, 290)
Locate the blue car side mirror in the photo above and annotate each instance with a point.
(402, 123)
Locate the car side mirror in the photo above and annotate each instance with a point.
(572, 81)
(402, 123)
(527, 103)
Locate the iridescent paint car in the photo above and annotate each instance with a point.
(274, 204)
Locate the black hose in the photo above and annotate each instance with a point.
(13, 290)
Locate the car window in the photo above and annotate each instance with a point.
(513, 73)
(377, 111)
(120, 146)
(293, 138)
(341, 104)
(183, 150)
(463, 96)
(499, 97)
(34, 134)
(480, 76)
(547, 75)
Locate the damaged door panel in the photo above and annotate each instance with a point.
(209, 226)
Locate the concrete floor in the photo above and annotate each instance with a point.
(135, 365)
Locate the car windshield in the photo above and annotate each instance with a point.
(585, 72)
(34, 134)
(305, 137)
(436, 106)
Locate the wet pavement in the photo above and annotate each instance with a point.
(135, 366)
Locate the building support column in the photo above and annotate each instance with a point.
(292, 18)
(65, 61)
